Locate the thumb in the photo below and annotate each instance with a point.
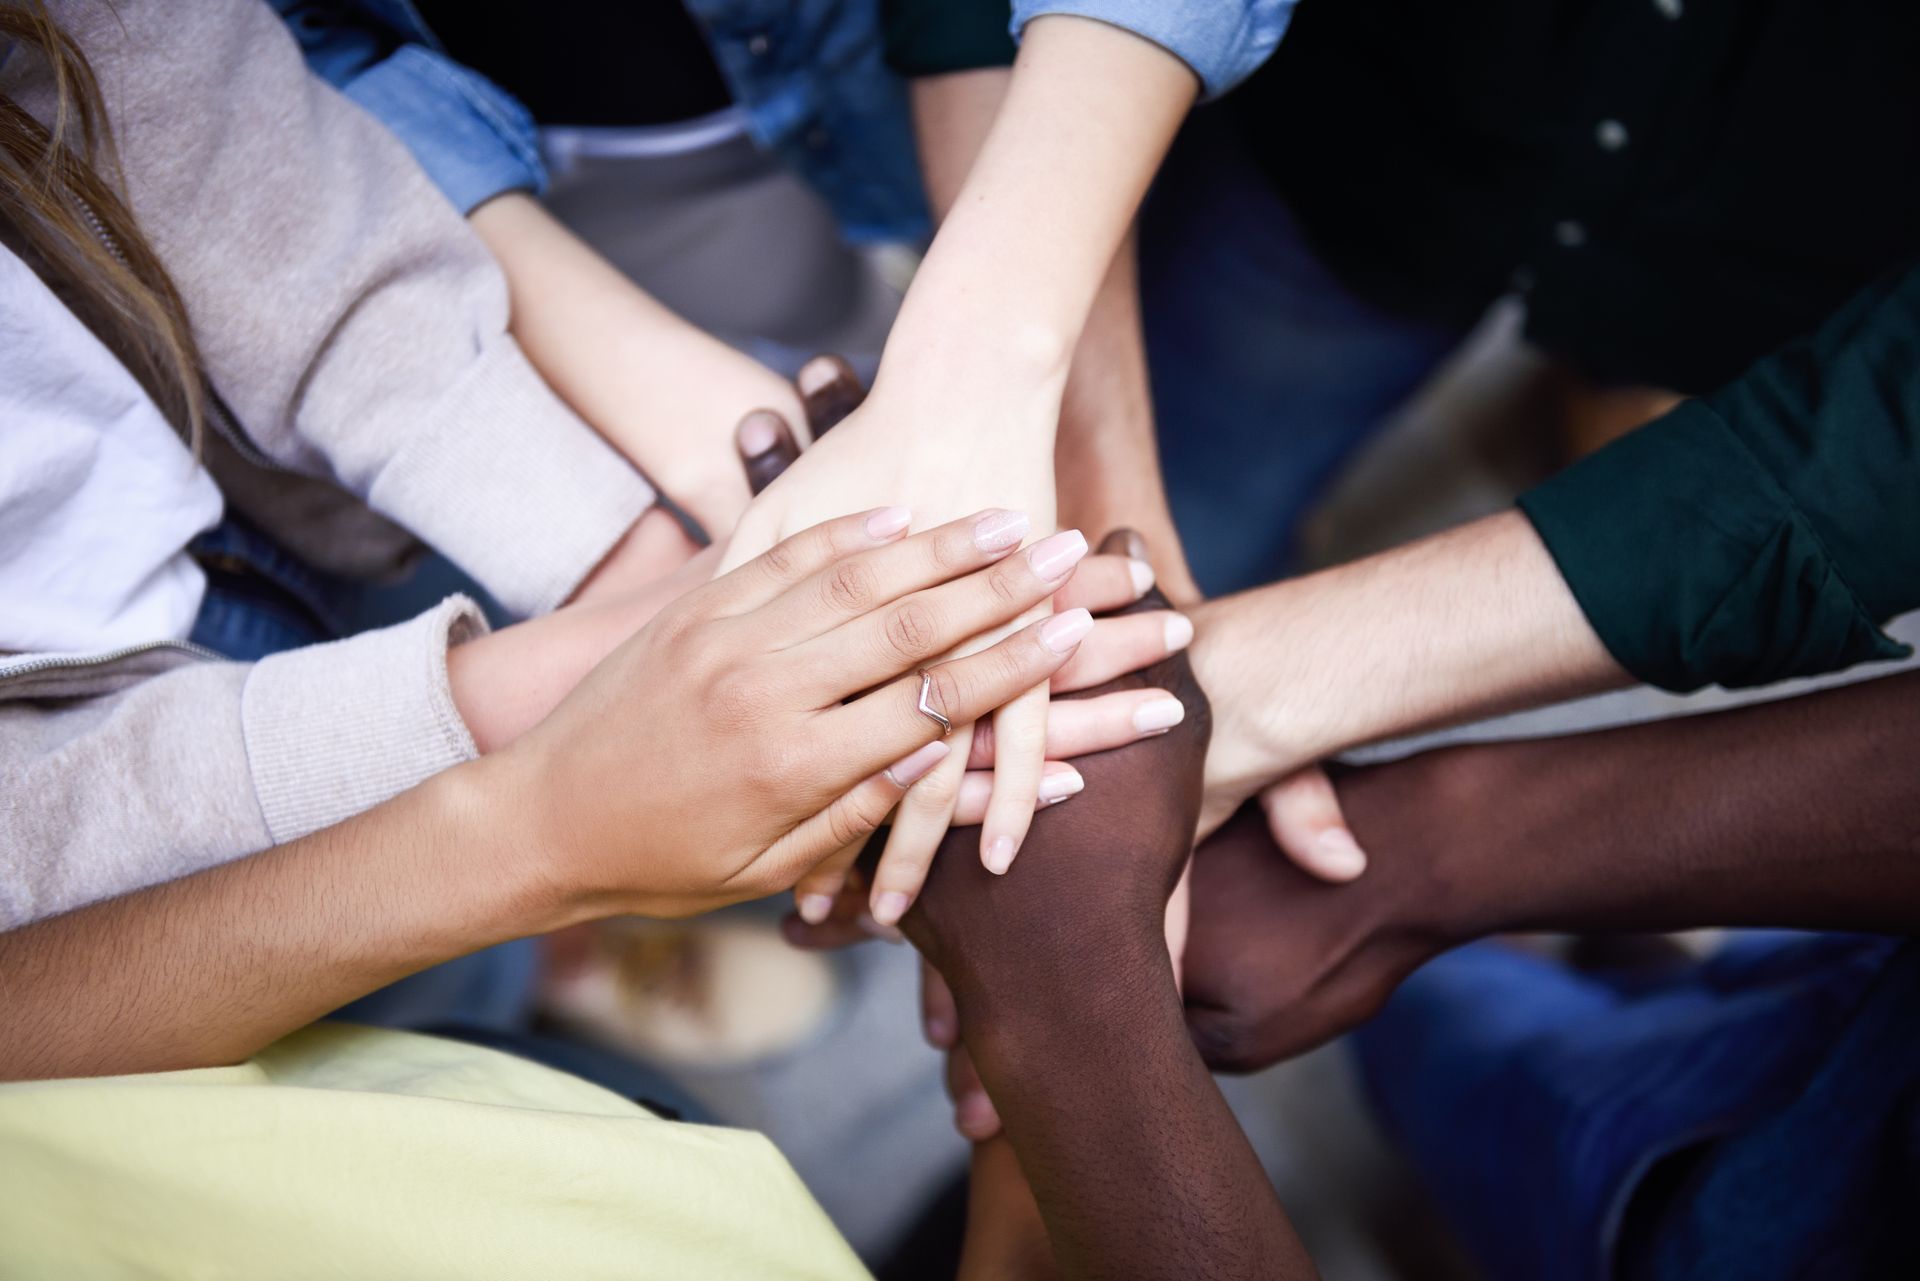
(1303, 813)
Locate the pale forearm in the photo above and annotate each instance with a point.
(1106, 458)
(1006, 1238)
(1087, 116)
(638, 373)
(208, 969)
(1462, 625)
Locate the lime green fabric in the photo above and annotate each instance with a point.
(354, 1152)
(1768, 530)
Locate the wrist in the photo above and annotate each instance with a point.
(1013, 1001)
(490, 809)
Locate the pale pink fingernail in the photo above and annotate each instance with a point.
(1338, 854)
(1142, 575)
(815, 908)
(904, 771)
(999, 855)
(888, 522)
(890, 907)
(974, 1116)
(1058, 785)
(1055, 554)
(996, 531)
(759, 432)
(939, 1031)
(1063, 631)
(1179, 632)
(885, 933)
(1158, 716)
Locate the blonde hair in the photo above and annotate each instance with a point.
(62, 209)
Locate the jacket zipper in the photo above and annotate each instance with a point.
(61, 662)
(218, 414)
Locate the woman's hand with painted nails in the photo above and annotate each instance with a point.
(1118, 644)
(774, 715)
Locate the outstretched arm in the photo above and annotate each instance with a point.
(1800, 813)
(1067, 1001)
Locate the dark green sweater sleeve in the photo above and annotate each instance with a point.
(1768, 530)
(934, 37)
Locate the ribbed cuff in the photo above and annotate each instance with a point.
(1694, 565)
(512, 486)
(333, 730)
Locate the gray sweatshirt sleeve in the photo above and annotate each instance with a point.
(344, 310)
(119, 778)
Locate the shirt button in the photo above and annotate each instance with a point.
(1569, 234)
(1611, 135)
(759, 44)
(1669, 9)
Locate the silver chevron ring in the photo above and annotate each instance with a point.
(927, 708)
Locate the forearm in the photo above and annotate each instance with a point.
(1458, 626)
(1025, 242)
(1138, 1166)
(1798, 814)
(1106, 459)
(208, 969)
(622, 360)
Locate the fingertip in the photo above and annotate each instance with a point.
(998, 854)
(821, 373)
(1337, 856)
(1179, 632)
(889, 906)
(815, 908)
(1062, 634)
(759, 433)
(1059, 781)
(1141, 572)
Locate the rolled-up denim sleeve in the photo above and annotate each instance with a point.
(1766, 531)
(1223, 41)
(473, 139)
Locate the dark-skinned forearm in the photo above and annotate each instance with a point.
(1139, 1167)
(208, 969)
(1802, 813)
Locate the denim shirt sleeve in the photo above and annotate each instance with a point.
(473, 139)
(1223, 41)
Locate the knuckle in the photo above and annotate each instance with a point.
(954, 551)
(934, 793)
(853, 818)
(736, 699)
(1004, 581)
(849, 587)
(1024, 737)
(910, 630)
(782, 559)
(945, 693)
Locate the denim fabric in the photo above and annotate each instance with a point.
(1781, 1075)
(1267, 373)
(810, 75)
(1224, 41)
(471, 137)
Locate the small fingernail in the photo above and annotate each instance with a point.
(997, 530)
(999, 855)
(887, 522)
(1158, 716)
(885, 933)
(1340, 855)
(890, 907)
(1058, 785)
(974, 1116)
(1063, 631)
(818, 374)
(1055, 554)
(815, 908)
(1179, 632)
(760, 432)
(904, 771)
(939, 1032)
(1141, 572)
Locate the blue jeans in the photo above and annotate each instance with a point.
(1267, 372)
(1758, 1113)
